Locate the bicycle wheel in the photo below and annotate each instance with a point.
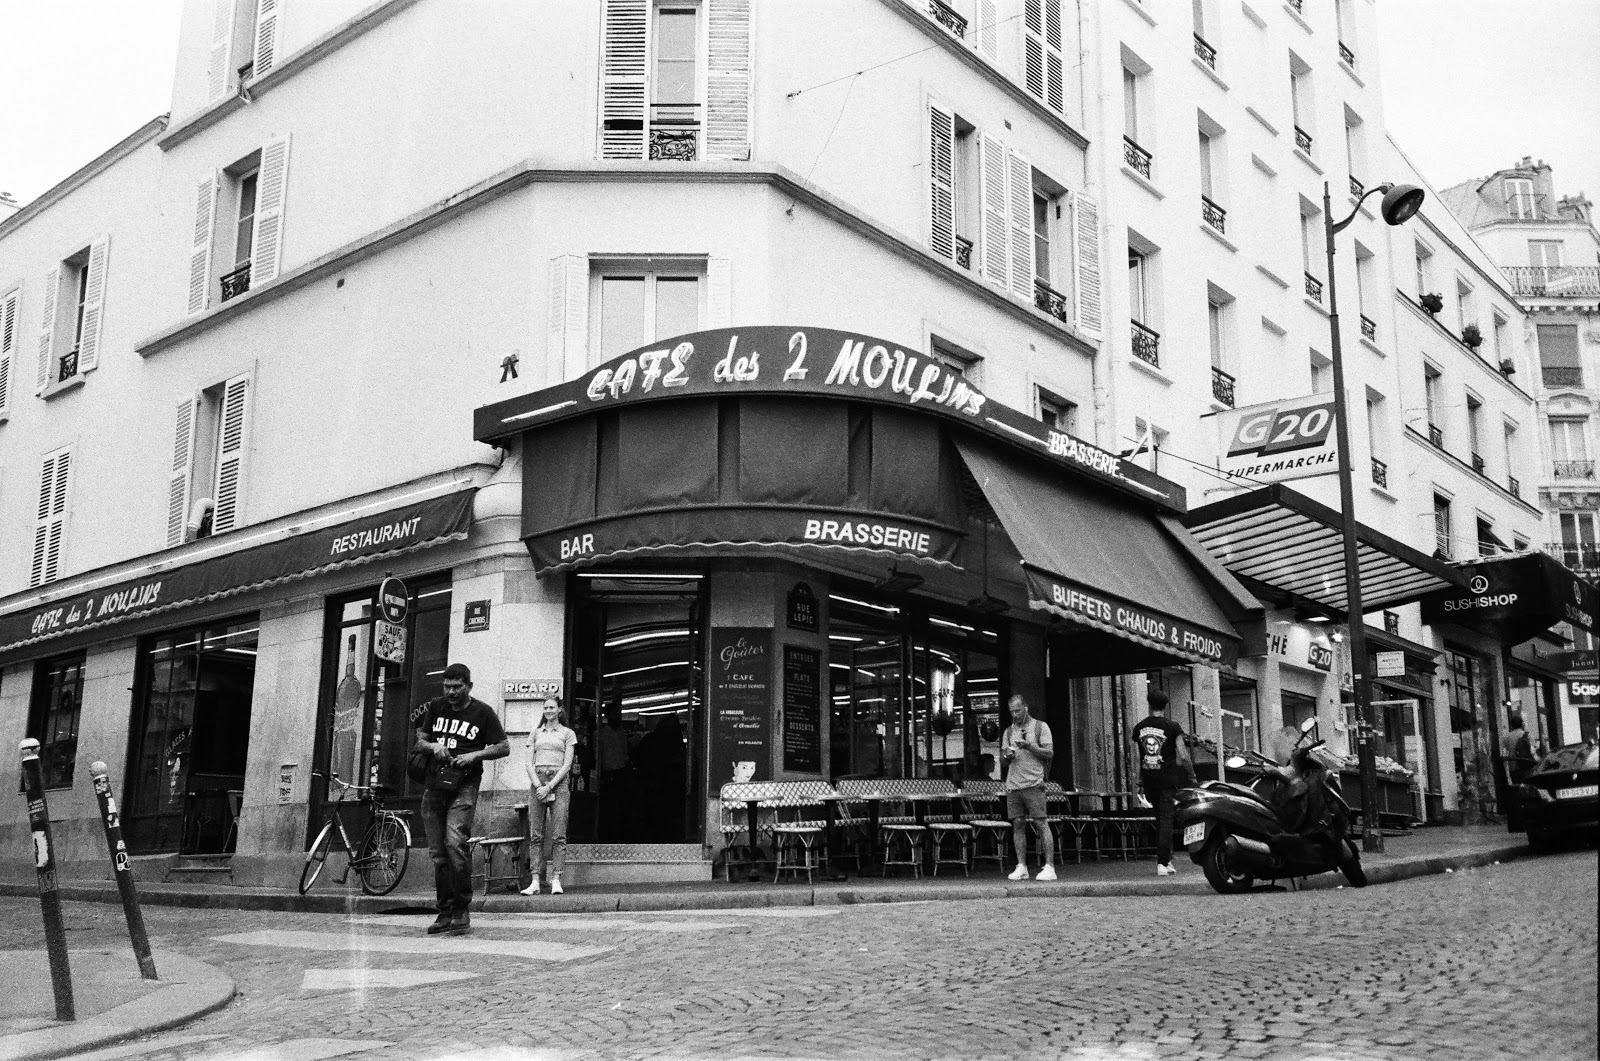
(384, 853)
(316, 857)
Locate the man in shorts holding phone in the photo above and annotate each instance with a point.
(1027, 746)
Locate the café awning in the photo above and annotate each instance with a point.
(1518, 596)
(1282, 544)
(1109, 566)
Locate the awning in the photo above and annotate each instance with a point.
(1281, 543)
(82, 618)
(1516, 596)
(1107, 565)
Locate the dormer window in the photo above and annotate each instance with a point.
(1519, 199)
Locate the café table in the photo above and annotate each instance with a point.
(830, 812)
(753, 808)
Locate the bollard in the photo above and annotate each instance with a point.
(44, 860)
(123, 871)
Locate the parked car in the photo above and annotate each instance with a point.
(1561, 795)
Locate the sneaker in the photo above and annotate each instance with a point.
(1020, 873)
(1048, 873)
(440, 923)
(460, 921)
(1166, 869)
(555, 885)
(532, 889)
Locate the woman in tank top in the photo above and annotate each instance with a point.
(549, 796)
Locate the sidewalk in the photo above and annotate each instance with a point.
(112, 1002)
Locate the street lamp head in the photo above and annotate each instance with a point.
(1400, 202)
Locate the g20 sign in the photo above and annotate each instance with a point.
(1288, 439)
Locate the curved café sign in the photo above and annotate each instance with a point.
(811, 362)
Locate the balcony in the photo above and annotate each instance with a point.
(1555, 281)
(1580, 556)
(67, 365)
(1513, 486)
(1478, 464)
(1369, 329)
(1573, 469)
(1562, 377)
(1136, 157)
(1204, 52)
(1222, 386)
(1357, 189)
(1051, 301)
(1302, 139)
(671, 144)
(947, 18)
(964, 252)
(1436, 435)
(1213, 215)
(1346, 56)
(236, 283)
(1146, 345)
(1314, 289)
(1380, 474)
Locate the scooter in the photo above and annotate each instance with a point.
(1234, 833)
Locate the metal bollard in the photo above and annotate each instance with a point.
(44, 860)
(123, 871)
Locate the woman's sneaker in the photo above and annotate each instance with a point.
(532, 889)
(1166, 869)
(555, 885)
(1020, 873)
(1048, 873)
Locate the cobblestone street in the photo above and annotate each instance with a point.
(1491, 963)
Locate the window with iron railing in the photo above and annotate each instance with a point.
(1222, 386)
(1205, 52)
(947, 17)
(1436, 435)
(1346, 56)
(1136, 157)
(1573, 469)
(1213, 215)
(1357, 189)
(1478, 464)
(1513, 486)
(1313, 288)
(1380, 473)
(1050, 300)
(1302, 139)
(1146, 344)
(1369, 328)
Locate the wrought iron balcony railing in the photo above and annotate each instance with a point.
(1146, 345)
(1513, 486)
(1580, 556)
(1555, 281)
(1369, 329)
(964, 252)
(1313, 289)
(1137, 158)
(1357, 189)
(1479, 464)
(236, 283)
(1213, 215)
(1346, 56)
(947, 17)
(67, 365)
(1050, 300)
(673, 144)
(1222, 386)
(1573, 469)
(1380, 473)
(1302, 139)
(1298, 5)
(1562, 377)
(1436, 435)
(1205, 52)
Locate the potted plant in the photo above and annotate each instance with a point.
(1508, 367)
(1472, 336)
(1432, 303)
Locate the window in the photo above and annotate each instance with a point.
(1321, 374)
(53, 714)
(1430, 393)
(244, 226)
(1441, 526)
(1569, 439)
(72, 321)
(1138, 141)
(1302, 102)
(1465, 312)
(1214, 332)
(50, 526)
(205, 492)
(952, 355)
(1578, 540)
(1311, 247)
(1488, 544)
(1377, 433)
(1544, 253)
(643, 305)
(1130, 104)
(1424, 270)
(244, 35)
(1057, 412)
(1205, 166)
(1500, 353)
(1138, 286)
(1519, 199)
(1148, 442)
(1559, 360)
(1366, 267)
(8, 346)
(1509, 438)
(1344, 18)
(1213, 173)
(1355, 152)
(673, 87)
(1474, 431)
(249, 197)
(1043, 209)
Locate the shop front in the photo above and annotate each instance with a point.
(797, 553)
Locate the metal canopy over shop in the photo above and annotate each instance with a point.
(1283, 544)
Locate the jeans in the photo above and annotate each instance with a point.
(447, 820)
(1164, 798)
(547, 824)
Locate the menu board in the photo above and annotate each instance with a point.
(802, 710)
(741, 705)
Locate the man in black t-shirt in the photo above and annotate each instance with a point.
(1162, 755)
(461, 733)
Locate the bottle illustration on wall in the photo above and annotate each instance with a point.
(347, 702)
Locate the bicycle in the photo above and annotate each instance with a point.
(381, 857)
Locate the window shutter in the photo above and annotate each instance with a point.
(566, 352)
(228, 492)
(47, 328)
(94, 300)
(1041, 52)
(1086, 254)
(728, 80)
(625, 32)
(50, 530)
(205, 228)
(941, 174)
(1019, 178)
(8, 346)
(995, 235)
(182, 474)
(221, 50)
(988, 35)
(266, 36)
(1054, 64)
(719, 293)
(271, 188)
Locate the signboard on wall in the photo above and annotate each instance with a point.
(1391, 664)
(802, 608)
(741, 705)
(802, 709)
(530, 688)
(1278, 441)
(476, 619)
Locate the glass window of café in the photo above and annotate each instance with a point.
(190, 738)
(53, 714)
(1241, 714)
(368, 705)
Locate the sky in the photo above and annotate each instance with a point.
(1470, 86)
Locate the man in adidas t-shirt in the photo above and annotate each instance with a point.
(1162, 755)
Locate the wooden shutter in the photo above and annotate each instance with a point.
(566, 351)
(1019, 181)
(728, 80)
(1086, 260)
(995, 235)
(50, 529)
(94, 301)
(271, 189)
(47, 327)
(205, 229)
(181, 475)
(266, 37)
(220, 69)
(1054, 64)
(941, 181)
(719, 293)
(625, 33)
(1042, 64)
(8, 346)
(228, 492)
(988, 31)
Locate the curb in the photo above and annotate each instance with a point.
(193, 990)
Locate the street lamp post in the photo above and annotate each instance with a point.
(1400, 202)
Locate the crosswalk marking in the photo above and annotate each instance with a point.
(366, 943)
(306, 1050)
(362, 979)
(559, 922)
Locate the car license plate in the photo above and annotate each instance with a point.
(1194, 834)
(1563, 793)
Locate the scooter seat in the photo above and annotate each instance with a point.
(1233, 789)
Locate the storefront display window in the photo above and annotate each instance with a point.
(1470, 703)
(53, 717)
(1534, 698)
(1241, 715)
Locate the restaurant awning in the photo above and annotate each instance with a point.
(1518, 596)
(1111, 567)
(65, 622)
(1284, 545)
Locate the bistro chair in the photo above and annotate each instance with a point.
(1128, 819)
(507, 851)
(949, 831)
(798, 845)
(1080, 821)
(735, 819)
(984, 803)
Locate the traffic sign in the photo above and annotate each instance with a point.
(393, 600)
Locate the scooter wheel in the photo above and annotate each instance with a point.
(1221, 876)
(1351, 867)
